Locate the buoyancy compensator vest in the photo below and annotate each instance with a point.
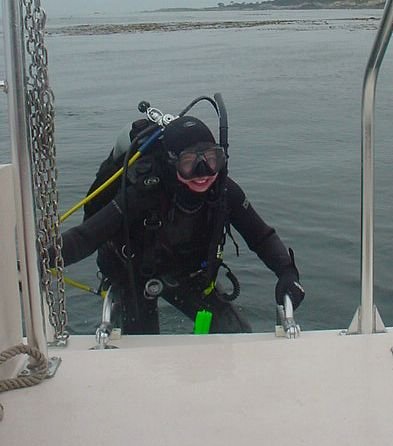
(149, 131)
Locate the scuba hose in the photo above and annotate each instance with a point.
(81, 286)
(196, 100)
(219, 107)
(224, 296)
(223, 122)
(215, 250)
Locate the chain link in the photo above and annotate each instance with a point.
(40, 103)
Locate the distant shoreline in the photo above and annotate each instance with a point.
(102, 29)
(276, 5)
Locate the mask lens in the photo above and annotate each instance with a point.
(186, 164)
(212, 158)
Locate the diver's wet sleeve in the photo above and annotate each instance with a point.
(81, 241)
(259, 236)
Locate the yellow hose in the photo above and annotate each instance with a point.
(67, 214)
(103, 186)
(80, 286)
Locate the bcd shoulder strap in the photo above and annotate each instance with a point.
(108, 168)
(112, 164)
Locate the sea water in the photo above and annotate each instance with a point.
(292, 89)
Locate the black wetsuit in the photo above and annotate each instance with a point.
(177, 253)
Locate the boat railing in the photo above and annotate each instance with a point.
(20, 236)
(286, 324)
(21, 179)
(367, 319)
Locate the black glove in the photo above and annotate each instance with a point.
(288, 283)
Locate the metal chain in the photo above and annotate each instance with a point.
(40, 104)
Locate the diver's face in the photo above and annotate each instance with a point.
(198, 166)
(201, 160)
(199, 184)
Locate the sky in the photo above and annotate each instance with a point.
(67, 7)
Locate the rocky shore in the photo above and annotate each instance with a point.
(286, 4)
(369, 22)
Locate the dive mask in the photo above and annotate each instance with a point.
(201, 160)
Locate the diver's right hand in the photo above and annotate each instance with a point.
(288, 283)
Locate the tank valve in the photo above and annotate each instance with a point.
(155, 115)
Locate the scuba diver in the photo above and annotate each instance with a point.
(160, 230)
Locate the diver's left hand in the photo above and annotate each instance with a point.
(288, 283)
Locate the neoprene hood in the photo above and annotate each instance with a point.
(184, 132)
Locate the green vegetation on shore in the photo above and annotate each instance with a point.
(303, 4)
(287, 4)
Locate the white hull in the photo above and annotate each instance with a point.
(319, 389)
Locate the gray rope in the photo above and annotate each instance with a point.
(39, 369)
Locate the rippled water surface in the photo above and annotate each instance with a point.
(292, 86)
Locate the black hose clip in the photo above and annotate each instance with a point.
(235, 285)
(153, 289)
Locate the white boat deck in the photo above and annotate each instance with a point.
(319, 389)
